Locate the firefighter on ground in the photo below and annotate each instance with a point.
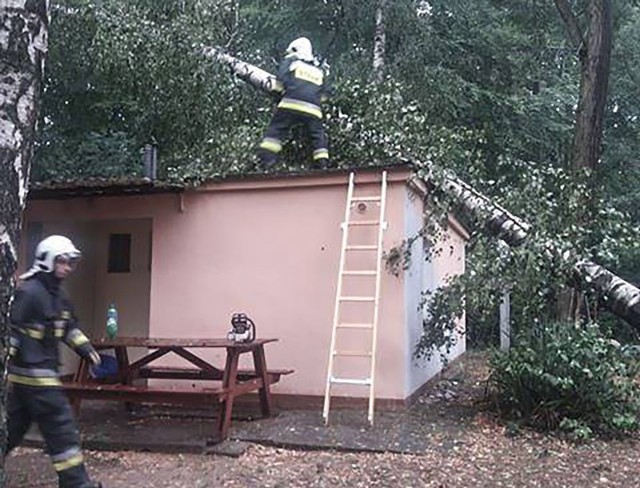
(302, 86)
(42, 316)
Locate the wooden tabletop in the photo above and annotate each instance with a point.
(154, 342)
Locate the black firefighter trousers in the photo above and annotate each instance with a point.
(49, 408)
(281, 123)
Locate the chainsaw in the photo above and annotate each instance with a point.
(242, 328)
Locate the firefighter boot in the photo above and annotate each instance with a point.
(321, 164)
(267, 161)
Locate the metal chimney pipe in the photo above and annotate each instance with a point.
(149, 158)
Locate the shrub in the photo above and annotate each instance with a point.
(568, 378)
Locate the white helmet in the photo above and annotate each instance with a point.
(301, 47)
(48, 250)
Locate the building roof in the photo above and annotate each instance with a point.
(131, 186)
(74, 188)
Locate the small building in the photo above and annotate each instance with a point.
(178, 262)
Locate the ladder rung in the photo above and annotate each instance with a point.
(357, 299)
(364, 222)
(366, 199)
(351, 381)
(362, 248)
(362, 354)
(359, 272)
(355, 326)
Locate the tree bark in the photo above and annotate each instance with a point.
(570, 20)
(480, 209)
(250, 73)
(379, 43)
(498, 221)
(23, 47)
(621, 297)
(594, 79)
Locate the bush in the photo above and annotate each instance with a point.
(568, 378)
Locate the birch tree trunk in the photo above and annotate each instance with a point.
(250, 73)
(619, 296)
(23, 47)
(379, 43)
(499, 222)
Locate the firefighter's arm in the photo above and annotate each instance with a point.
(76, 340)
(21, 307)
(327, 91)
(282, 76)
(283, 69)
(18, 316)
(26, 329)
(278, 89)
(326, 94)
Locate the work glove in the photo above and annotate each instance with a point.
(95, 358)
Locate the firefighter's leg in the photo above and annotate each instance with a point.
(271, 143)
(319, 143)
(52, 412)
(18, 416)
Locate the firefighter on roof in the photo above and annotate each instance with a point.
(302, 85)
(41, 317)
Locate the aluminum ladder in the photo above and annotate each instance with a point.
(366, 331)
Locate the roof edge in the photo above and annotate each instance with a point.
(133, 186)
(58, 190)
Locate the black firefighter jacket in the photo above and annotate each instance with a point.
(302, 86)
(41, 317)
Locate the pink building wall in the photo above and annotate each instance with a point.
(269, 248)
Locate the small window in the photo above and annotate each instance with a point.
(119, 253)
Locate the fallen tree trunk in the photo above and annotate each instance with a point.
(619, 296)
(250, 73)
(499, 222)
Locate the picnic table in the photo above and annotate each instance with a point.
(221, 386)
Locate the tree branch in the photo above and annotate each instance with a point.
(571, 21)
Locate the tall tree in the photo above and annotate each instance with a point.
(592, 41)
(23, 47)
(379, 43)
(594, 52)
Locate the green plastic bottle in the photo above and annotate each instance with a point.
(112, 322)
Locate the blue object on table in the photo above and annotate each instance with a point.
(107, 368)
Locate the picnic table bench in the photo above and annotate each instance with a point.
(130, 384)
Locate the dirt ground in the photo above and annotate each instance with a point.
(480, 453)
